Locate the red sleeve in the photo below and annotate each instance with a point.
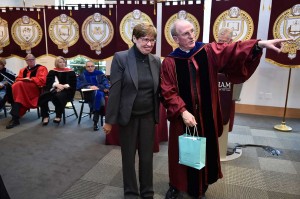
(20, 75)
(169, 90)
(41, 76)
(237, 60)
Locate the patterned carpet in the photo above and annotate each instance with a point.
(256, 174)
(71, 162)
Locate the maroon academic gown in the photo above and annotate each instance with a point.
(190, 83)
(27, 92)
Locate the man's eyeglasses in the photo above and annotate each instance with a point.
(30, 59)
(147, 40)
(92, 66)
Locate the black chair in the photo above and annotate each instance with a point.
(51, 111)
(38, 111)
(8, 100)
(4, 110)
(64, 116)
(85, 96)
(7, 108)
(69, 107)
(85, 99)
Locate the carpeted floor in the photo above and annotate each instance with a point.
(71, 161)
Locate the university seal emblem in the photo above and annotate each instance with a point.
(180, 15)
(27, 33)
(287, 26)
(97, 31)
(129, 21)
(4, 37)
(64, 32)
(238, 20)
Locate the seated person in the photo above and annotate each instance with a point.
(27, 89)
(7, 78)
(96, 80)
(60, 89)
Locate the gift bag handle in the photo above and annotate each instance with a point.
(188, 131)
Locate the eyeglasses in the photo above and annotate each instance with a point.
(30, 59)
(147, 40)
(92, 66)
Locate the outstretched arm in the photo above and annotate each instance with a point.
(273, 44)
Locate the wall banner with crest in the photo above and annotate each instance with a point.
(4, 34)
(63, 31)
(190, 10)
(284, 24)
(86, 30)
(240, 15)
(26, 26)
(98, 32)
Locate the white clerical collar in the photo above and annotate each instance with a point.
(31, 67)
(186, 51)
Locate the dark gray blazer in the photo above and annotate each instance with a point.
(124, 86)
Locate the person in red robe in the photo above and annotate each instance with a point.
(189, 87)
(27, 89)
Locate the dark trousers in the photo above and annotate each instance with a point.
(58, 99)
(15, 110)
(9, 95)
(3, 192)
(138, 135)
(97, 114)
(45, 110)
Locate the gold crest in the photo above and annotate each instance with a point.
(129, 21)
(287, 26)
(238, 20)
(97, 31)
(182, 14)
(64, 32)
(4, 37)
(27, 33)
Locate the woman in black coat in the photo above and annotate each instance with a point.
(60, 89)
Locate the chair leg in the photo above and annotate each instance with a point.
(38, 112)
(75, 112)
(101, 120)
(80, 114)
(64, 116)
(4, 110)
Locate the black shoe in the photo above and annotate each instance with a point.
(172, 193)
(12, 123)
(57, 120)
(96, 127)
(45, 121)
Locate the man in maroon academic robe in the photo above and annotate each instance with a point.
(27, 89)
(189, 88)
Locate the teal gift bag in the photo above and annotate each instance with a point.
(192, 149)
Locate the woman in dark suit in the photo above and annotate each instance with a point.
(60, 88)
(133, 105)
